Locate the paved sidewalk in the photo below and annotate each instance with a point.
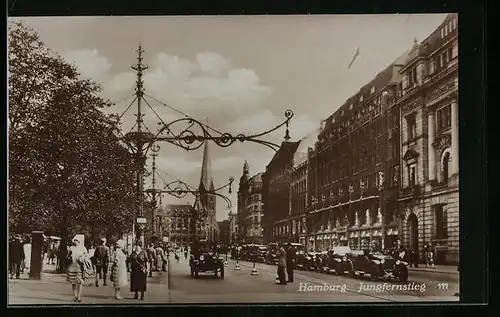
(449, 269)
(53, 289)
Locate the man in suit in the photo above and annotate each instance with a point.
(16, 256)
(101, 260)
(290, 262)
(281, 265)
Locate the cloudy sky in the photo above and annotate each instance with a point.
(238, 72)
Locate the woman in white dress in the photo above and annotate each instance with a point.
(119, 268)
(27, 255)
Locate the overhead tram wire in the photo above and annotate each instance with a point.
(183, 114)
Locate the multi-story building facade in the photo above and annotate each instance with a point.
(428, 98)
(276, 194)
(224, 232)
(354, 169)
(233, 228)
(250, 207)
(298, 189)
(174, 222)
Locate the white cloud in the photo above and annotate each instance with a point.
(178, 165)
(227, 162)
(208, 81)
(89, 63)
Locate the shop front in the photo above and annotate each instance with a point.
(391, 236)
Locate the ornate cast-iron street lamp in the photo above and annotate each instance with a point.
(191, 137)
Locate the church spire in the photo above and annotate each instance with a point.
(206, 181)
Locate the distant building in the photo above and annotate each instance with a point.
(174, 223)
(428, 99)
(250, 207)
(233, 228)
(276, 194)
(224, 232)
(298, 189)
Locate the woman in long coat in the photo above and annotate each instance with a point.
(119, 268)
(138, 270)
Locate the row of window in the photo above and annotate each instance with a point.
(443, 122)
(448, 28)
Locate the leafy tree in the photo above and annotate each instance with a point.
(68, 172)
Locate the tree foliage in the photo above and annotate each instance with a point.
(67, 168)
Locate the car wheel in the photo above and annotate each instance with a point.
(404, 274)
(222, 273)
(215, 272)
(350, 269)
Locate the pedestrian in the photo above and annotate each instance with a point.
(429, 255)
(27, 255)
(290, 262)
(119, 268)
(77, 256)
(414, 258)
(159, 257)
(151, 258)
(101, 260)
(281, 264)
(16, 256)
(185, 253)
(138, 270)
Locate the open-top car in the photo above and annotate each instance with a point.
(377, 265)
(204, 260)
(336, 260)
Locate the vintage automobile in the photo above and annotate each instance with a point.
(311, 260)
(336, 260)
(261, 254)
(271, 257)
(378, 265)
(206, 261)
(253, 253)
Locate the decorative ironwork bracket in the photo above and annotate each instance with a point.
(179, 189)
(189, 140)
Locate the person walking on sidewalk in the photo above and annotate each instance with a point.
(159, 257)
(119, 268)
(429, 255)
(16, 256)
(151, 258)
(101, 260)
(27, 255)
(77, 256)
(290, 262)
(281, 265)
(138, 270)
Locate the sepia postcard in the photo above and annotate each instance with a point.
(233, 159)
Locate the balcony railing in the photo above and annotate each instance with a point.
(411, 191)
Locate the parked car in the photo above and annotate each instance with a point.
(272, 249)
(206, 261)
(377, 265)
(302, 261)
(255, 253)
(336, 260)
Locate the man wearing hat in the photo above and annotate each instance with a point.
(101, 258)
(16, 256)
